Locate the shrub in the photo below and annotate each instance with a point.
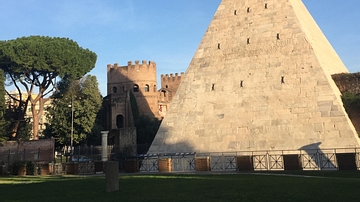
(30, 168)
(16, 165)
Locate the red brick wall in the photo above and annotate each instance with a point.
(34, 150)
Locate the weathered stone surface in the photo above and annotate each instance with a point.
(112, 176)
(260, 79)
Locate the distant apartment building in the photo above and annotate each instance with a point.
(11, 103)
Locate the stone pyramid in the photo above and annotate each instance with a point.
(260, 80)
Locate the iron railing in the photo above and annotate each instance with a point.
(274, 160)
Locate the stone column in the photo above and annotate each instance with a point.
(112, 176)
(104, 145)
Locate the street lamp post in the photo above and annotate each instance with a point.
(72, 115)
(72, 124)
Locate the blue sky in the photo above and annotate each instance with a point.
(167, 32)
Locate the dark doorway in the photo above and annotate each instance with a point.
(120, 121)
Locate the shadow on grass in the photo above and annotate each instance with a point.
(179, 187)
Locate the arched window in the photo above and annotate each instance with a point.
(154, 88)
(120, 121)
(146, 88)
(136, 88)
(123, 88)
(114, 89)
(164, 93)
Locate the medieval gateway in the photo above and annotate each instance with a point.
(133, 88)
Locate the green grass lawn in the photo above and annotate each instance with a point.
(296, 186)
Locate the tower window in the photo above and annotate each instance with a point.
(146, 88)
(241, 84)
(154, 88)
(282, 79)
(114, 89)
(248, 41)
(213, 87)
(248, 10)
(219, 46)
(136, 88)
(166, 86)
(235, 12)
(278, 36)
(266, 6)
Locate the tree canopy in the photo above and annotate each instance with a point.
(83, 97)
(3, 123)
(34, 63)
(38, 59)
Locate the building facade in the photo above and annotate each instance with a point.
(12, 104)
(169, 86)
(138, 80)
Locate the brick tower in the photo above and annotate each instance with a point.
(169, 85)
(140, 80)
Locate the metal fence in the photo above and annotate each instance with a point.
(92, 152)
(310, 159)
(274, 160)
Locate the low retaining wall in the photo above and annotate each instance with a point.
(165, 165)
(32, 150)
(80, 168)
(329, 159)
(202, 164)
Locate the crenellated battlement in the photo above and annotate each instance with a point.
(171, 81)
(171, 77)
(135, 72)
(144, 66)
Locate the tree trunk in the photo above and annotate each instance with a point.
(37, 113)
(15, 129)
(20, 111)
(35, 121)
